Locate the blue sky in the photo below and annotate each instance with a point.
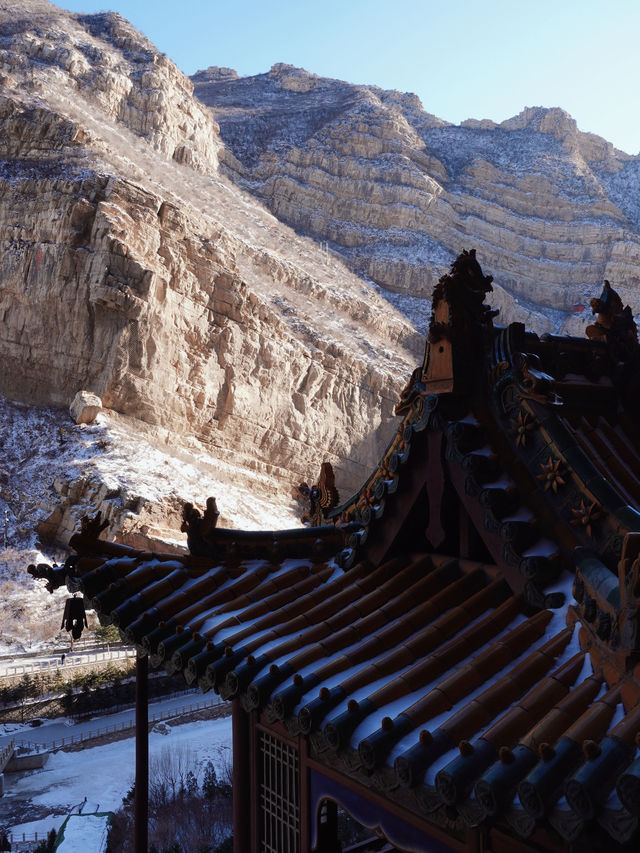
(464, 58)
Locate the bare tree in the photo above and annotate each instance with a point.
(168, 773)
(182, 817)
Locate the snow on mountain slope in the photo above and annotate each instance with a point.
(140, 274)
(398, 192)
(53, 472)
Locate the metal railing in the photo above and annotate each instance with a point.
(26, 838)
(122, 726)
(53, 649)
(6, 754)
(70, 661)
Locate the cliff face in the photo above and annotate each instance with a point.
(103, 59)
(397, 192)
(135, 264)
(131, 268)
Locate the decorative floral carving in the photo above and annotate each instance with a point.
(552, 474)
(368, 497)
(522, 426)
(586, 516)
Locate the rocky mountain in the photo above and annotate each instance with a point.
(132, 268)
(241, 267)
(398, 192)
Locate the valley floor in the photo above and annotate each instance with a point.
(40, 800)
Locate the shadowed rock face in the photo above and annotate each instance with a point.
(398, 192)
(131, 268)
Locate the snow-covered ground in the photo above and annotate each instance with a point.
(104, 774)
(87, 832)
(44, 454)
(140, 475)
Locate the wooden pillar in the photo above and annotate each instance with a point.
(254, 783)
(466, 535)
(243, 816)
(475, 839)
(141, 798)
(304, 798)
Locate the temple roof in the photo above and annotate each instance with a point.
(462, 634)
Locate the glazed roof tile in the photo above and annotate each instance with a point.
(427, 673)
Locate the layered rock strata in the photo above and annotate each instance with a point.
(132, 266)
(398, 192)
(162, 288)
(104, 59)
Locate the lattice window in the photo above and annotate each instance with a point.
(279, 796)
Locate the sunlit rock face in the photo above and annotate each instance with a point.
(132, 269)
(398, 192)
(139, 261)
(107, 61)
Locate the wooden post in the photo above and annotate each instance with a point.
(305, 815)
(242, 812)
(141, 798)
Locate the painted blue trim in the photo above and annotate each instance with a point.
(371, 815)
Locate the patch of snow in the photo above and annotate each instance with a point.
(618, 716)
(45, 455)
(392, 709)
(543, 548)
(562, 584)
(440, 762)
(85, 833)
(504, 482)
(104, 774)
